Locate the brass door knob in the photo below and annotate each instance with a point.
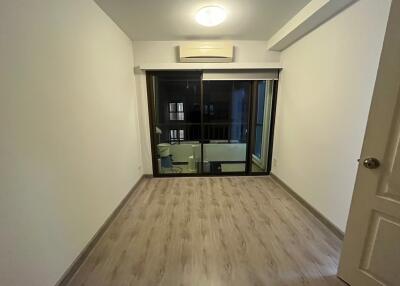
(371, 163)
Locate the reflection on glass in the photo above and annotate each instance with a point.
(177, 122)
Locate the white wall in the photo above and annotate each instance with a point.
(69, 143)
(166, 52)
(324, 97)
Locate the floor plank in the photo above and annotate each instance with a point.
(212, 231)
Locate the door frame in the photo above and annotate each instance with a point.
(150, 86)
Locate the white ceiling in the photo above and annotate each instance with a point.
(151, 20)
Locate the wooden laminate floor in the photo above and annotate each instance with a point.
(221, 231)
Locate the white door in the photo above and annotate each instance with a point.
(371, 249)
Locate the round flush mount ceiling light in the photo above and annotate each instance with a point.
(211, 16)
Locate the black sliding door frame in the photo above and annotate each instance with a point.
(202, 127)
(251, 132)
(151, 106)
(151, 93)
(272, 125)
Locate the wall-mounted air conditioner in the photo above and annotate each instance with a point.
(206, 52)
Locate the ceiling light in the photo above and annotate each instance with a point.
(211, 16)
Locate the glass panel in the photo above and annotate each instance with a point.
(181, 116)
(172, 116)
(258, 141)
(262, 126)
(172, 135)
(225, 118)
(172, 107)
(177, 122)
(260, 101)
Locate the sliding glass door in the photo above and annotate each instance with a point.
(225, 126)
(263, 100)
(177, 122)
(212, 125)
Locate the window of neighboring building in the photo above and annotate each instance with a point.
(176, 111)
(176, 135)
